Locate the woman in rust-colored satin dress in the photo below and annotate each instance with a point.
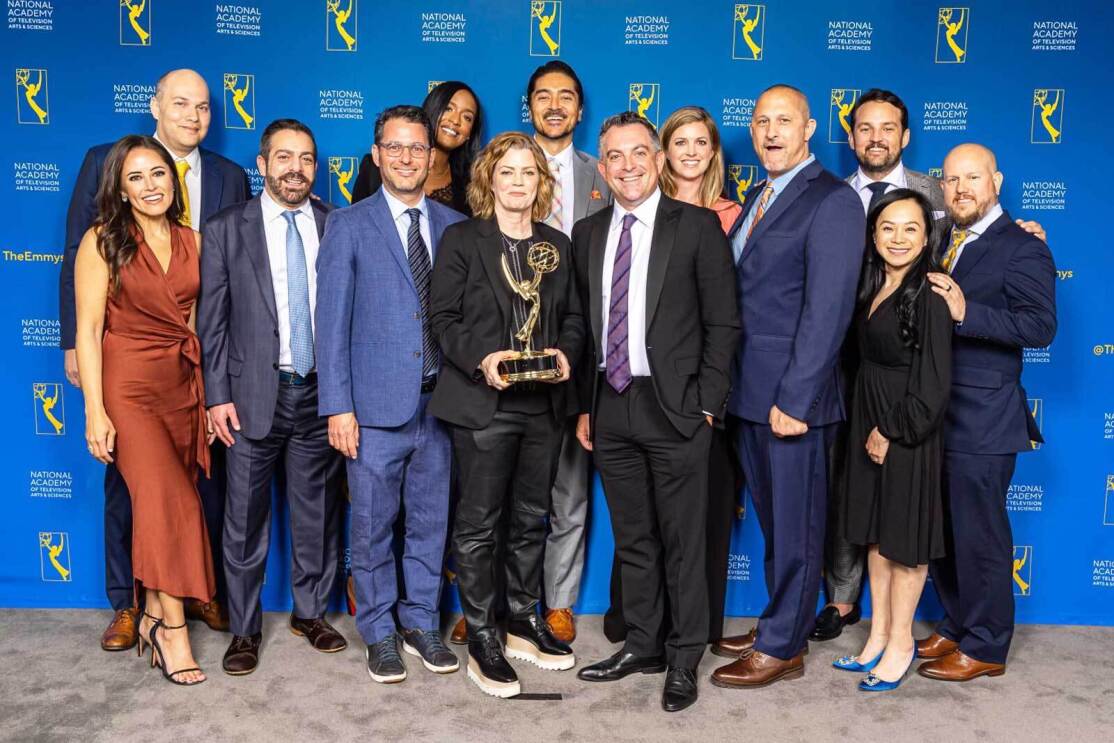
(138, 278)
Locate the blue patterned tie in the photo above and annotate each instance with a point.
(297, 290)
(618, 355)
(420, 269)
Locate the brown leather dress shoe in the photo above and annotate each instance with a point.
(212, 613)
(735, 646)
(320, 634)
(936, 646)
(561, 624)
(122, 632)
(959, 667)
(242, 656)
(757, 669)
(460, 633)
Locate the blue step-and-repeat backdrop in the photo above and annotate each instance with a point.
(1030, 79)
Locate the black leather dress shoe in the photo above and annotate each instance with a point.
(829, 623)
(621, 665)
(242, 656)
(488, 667)
(320, 634)
(529, 639)
(680, 689)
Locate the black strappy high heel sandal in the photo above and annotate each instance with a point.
(145, 642)
(170, 676)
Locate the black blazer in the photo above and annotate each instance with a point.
(469, 305)
(692, 317)
(236, 317)
(368, 181)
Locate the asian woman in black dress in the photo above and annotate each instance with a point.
(892, 497)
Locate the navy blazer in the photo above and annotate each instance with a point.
(236, 316)
(1009, 282)
(796, 285)
(369, 318)
(223, 183)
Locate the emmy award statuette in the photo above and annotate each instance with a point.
(530, 365)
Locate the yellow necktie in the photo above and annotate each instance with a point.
(761, 208)
(183, 168)
(958, 236)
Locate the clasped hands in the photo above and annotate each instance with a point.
(490, 368)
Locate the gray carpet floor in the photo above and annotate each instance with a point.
(56, 684)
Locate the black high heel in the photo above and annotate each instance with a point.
(170, 676)
(145, 642)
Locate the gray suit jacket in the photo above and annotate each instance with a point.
(590, 190)
(928, 187)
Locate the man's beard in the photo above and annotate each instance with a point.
(885, 167)
(289, 194)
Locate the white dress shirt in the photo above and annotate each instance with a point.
(568, 187)
(642, 233)
(974, 232)
(402, 221)
(894, 179)
(274, 228)
(193, 182)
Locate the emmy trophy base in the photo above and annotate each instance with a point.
(530, 366)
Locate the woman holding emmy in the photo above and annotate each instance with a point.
(504, 309)
(137, 278)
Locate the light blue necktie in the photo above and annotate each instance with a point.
(297, 290)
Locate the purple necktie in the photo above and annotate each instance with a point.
(618, 357)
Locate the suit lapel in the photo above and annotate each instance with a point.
(582, 177)
(490, 244)
(320, 214)
(211, 186)
(254, 237)
(435, 228)
(976, 250)
(783, 201)
(748, 204)
(661, 247)
(597, 246)
(381, 216)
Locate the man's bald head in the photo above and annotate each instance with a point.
(181, 110)
(780, 128)
(790, 94)
(971, 183)
(971, 153)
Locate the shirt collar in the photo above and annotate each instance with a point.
(193, 157)
(273, 210)
(780, 182)
(644, 212)
(563, 158)
(988, 219)
(398, 208)
(895, 177)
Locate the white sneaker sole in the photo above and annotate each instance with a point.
(492, 688)
(522, 649)
(396, 678)
(429, 667)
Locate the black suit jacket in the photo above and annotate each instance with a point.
(469, 307)
(223, 182)
(236, 317)
(368, 181)
(692, 317)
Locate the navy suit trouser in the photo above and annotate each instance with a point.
(975, 580)
(788, 478)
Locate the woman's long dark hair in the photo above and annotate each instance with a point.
(460, 159)
(115, 224)
(874, 268)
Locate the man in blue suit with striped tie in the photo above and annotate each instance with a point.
(377, 364)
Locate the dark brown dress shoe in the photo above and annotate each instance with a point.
(735, 646)
(460, 633)
(758, 669)
(936, 646)
(242, 656)
(122, 632)
(212, 613)
(321, 635)
(959, 667)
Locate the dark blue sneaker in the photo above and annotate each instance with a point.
(384, 664)
(427, 645)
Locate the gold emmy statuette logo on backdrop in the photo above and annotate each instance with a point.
(32, 101)
(1022, 570)
(239, 100)
(340, 26)
(937, 173)
(1048, 116)
(529, 365)
(50, 413)
(743, 177)
(545, 28)
(1036, 407)
(54, 559)
(644, 99)
(951, 35)
(1108, 506)
(135, 22)
(341, 172)
(748, 32)
(839, 113)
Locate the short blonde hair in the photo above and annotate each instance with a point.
(480, 196)
(712, 186)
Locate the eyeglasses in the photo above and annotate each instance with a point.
(418, 151)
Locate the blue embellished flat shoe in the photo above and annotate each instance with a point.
(873, 683)
(851, 663)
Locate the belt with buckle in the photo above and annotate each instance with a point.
(428, 384)
(296, 380)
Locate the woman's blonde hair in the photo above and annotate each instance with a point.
(480, 196)
(712, 186)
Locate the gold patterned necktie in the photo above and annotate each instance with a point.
(555, 218)
(761, 208)
(183, 168)
(958, 236)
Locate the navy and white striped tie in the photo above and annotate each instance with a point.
(420, 269)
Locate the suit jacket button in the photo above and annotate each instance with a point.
(276, 333)
(417, 354)
(417, 316)
(274, 366)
